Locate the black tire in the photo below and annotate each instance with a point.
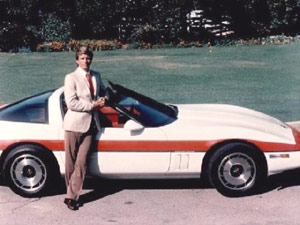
(237, 169)
(29, 170)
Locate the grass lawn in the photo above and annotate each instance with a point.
(264, 78)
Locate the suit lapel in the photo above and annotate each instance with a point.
(83, 83)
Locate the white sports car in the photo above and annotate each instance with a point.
(234, 147)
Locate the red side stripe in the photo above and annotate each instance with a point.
(157, 146)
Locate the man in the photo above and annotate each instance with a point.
(82, 91)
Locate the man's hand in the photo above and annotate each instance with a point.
(99, 103)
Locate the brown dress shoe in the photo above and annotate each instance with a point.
(71, 203)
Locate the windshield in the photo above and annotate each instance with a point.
(144, 110)
(33, 110)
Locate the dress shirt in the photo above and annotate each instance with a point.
(83, 73)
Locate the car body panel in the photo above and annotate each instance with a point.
(28, 131)
(281, 161)
(219, 121)
(173, 150)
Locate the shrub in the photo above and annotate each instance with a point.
(53, 46)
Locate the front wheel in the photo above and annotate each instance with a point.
(28, 170)
(237, 169)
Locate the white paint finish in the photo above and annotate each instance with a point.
(186, 162)
(27, 131)
(55, 113)
(130, 164)
(60, 157)
(144, 165)
(278, 164)
(217, 122)
(135, 165)
(200, 122)
(121, 134)
(294, 124)
(195, 122)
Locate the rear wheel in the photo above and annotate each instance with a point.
(29, 170)
(237, 169)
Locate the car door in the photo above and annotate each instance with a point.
(125, 153)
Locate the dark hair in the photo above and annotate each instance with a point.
(84, 50)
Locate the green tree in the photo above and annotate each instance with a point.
(55, 28)
(18, 25)
(285, 16)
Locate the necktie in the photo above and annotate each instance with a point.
(89, 79)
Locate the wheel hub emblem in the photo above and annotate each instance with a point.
(28, 171)
(236, 170)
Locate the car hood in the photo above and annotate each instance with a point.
(219, 121)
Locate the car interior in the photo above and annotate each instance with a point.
(109, 117)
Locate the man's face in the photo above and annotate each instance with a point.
(84, 61)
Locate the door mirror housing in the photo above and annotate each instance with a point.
(131, 125)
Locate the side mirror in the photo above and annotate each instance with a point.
(133, 126)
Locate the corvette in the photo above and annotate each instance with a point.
(235, 148)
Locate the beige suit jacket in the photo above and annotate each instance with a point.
(79, 101)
